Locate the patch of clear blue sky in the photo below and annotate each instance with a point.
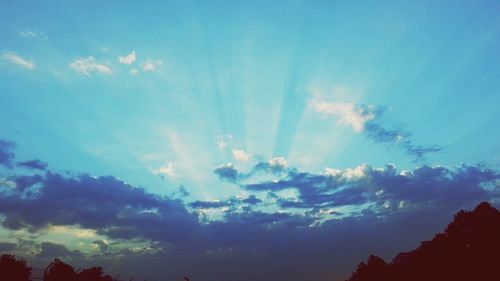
(246, 69)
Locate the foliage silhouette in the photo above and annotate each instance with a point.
(93, 274)
(469, 249)
(12, 269)
(59, 271)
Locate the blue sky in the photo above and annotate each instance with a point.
(307, 113)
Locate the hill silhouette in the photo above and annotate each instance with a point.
(469, 249)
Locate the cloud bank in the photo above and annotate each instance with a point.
(317, 224)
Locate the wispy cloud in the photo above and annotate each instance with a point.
(151, 65)
(133, 71)
(401, 139)
(128, 59)
(87, 66)
(14, 58)
(33, 164)
(366, 119)
(32, 33)
(7, 158)
(348, 113)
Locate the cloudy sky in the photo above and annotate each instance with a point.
(247, 140)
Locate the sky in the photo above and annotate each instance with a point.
(251, 140)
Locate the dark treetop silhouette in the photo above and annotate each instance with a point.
(59, 271)
(12, 269)
(469, 249)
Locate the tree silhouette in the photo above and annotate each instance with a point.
(93, 274)
(375, 269)
(469, 249)
(12, 269)
(59, 271)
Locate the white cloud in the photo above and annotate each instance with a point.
(151, 65)
(166, 170)
(349, 113)
(349, 173)
(333, 172)
(74, 231)
(240, 155)
(134, 71)
(221, 144)
(128, 59)
(86, 66)
(278, 163)
(32, 33)
(17, 60)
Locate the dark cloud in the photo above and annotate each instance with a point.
(106, 204)
(50, 250)
(33, 164)
(23, 182)
(230, 173)
(247, 239)
(7, 158)
(210, 204)
(183, 191)
(227, 172)
(252, 200)
(6, 154)
(398, 138)
(386, 188)
(7, 247)
(254, 240)
(389, 189)
(231, 202)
